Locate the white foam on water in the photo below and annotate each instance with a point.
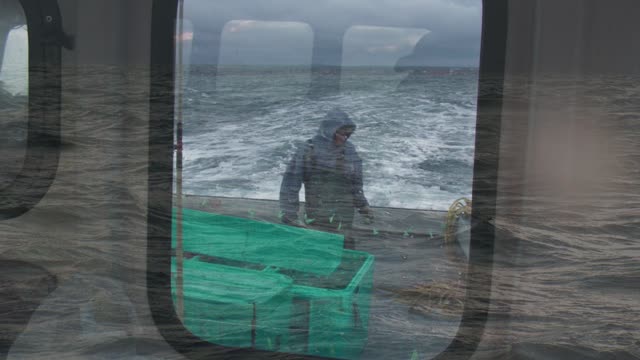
(243, 152)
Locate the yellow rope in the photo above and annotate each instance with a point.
(461, 206)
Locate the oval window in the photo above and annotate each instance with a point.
(14, 92)
(30, 43)
(322, 178)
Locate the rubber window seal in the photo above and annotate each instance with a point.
(45, 41)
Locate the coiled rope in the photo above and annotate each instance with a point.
(460, 207)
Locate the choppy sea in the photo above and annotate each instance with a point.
(416, 138)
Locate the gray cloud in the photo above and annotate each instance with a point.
(453, 28)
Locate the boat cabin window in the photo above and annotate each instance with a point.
(30, 48)
(264, 47)
(14, 91)
(323, 175)
(376, 48)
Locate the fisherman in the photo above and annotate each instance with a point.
(331, 171)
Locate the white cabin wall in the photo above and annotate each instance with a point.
(114, 39)
(92, 221)
(557, 152)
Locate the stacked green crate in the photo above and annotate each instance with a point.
(327, 303)
(236, 307)
(260, 242)
(330, 314)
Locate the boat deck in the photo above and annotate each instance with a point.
(418, 278)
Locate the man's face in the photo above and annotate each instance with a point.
(342, 135)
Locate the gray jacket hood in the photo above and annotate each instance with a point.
(334, 120)
(316, 158)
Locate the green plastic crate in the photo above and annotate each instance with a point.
(330, 314)
(260, 242)
(235, 307)
(301, 312)
(329, 298)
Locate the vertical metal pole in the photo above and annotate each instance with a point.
(179, 88)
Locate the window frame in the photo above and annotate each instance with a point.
(160, 180)
(46, 38)
(493, 49)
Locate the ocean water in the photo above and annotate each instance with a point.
(567, 254)
(416, 137)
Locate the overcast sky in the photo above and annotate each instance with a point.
(365, 32)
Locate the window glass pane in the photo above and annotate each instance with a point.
(321, 156)
(372, 49)
(265, 60)
(14, 51)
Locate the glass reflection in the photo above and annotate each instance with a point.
(325, 192)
